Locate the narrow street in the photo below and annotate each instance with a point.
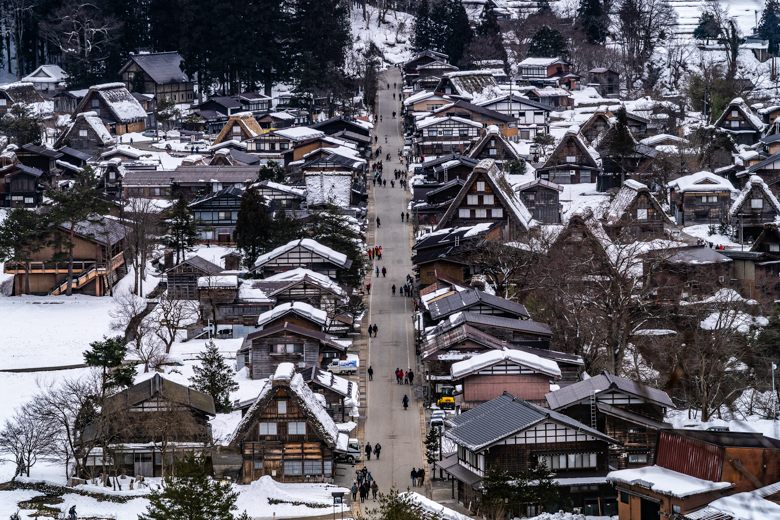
(396, 429)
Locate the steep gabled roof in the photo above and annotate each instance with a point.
(701, 182)
(245, 120)
(159, 386)
(162, 67)
(517, 99)
(493, 133)
(740, 105)
(758, 182)
(464, 300)
(506, 415)
(302, 309)
(477, 109)
(200, 263)
(556, 159)
(488, 359)
(514, 207)
(576, 392)
(121, 104)
(468, 84)
(622, 202)
(334, 257)
(539, 182)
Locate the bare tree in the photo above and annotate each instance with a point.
(25, 438)
(142, 216)
(172, 316)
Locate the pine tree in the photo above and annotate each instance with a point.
(544, 491)
(399, 506)
(431, 443)
(179, 227)
(284, 229)
(22, 233)
(459, 32)
(108, 355)
(272, 171)
(423, 38)
(252, 226)
(622, 143)
(22, 125)
(81, 203)
(708, 28)
(214, 377)
(440, 26)
(547, 43)
(329, 228)
(594, 20)
(191, 495)
(488, 23)
(769, 26)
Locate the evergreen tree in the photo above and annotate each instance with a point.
(769, 26)
(487, 43)
(284, 229)
(22, 233)
(542, 488)
(488, 23)
(595, 20)
(214, 377)
(22, 125)
(440, 26)
(459, 33)
(500, 492)
(621, 144)
(708, 28)
(81, 203)
(273, 172)
(400, 506)
(191, 495)
(252, 226)
(547, 43)
(423, 29)
(330, 228)
(179, 227)
(108, 355)
(431, 443)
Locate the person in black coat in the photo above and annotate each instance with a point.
(368, 451)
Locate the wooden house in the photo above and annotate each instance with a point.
(159, 74)
(756, 273)
(40, 157)
(755, 206)
(506, 125)
(287, 342)
(739, 120)
(693, 273)
(183, 278)
(494, 145)
(306, 253)
(424, 102)
(190, 181)
(486, 376)
(441, 252)
(637, 124)
(555, 98)
(240, 126)
(764, 501)
(572, 162)
(115, 106)
(430, 74)
(342, 397)
(233, 305)
(66, 101)
(768, 169)
(605, 81)
(520, 435)
(255, 102)
(466, 84)
(271, 146)
(216, 214)
(86, 133)
(768, 242)
(625, 410)
(542, 198)
(280, 196)
(692, 469)
(303, 285)
(99, 260)
(339, 124)
(47, 78)
(15, 93)
(596, 124)
(700, 197)
(532, 117)
(285, 434)
(487, 197)
(301, 149)
(443, 135)
(418, 60)
(771, 143)
(111, 173)
(138, 415)
(20, 185)
(636, 211)
(437, 201)
(447, 167)
(474, 300)
(542, 72)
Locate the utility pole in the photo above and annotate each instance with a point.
(774, 398)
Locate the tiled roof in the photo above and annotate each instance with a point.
(572, 394)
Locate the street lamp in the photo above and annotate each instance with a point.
(338, 499)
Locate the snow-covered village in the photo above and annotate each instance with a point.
(561, 301)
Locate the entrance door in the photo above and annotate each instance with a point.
(143, 465)
(649, 510)
(223, 238)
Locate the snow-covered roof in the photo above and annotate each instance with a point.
(304, 309)
(218, 282)
(434, 509)
(758, 182)
(293, 190)
(248, 293)
(701, 182)
(660, 138)
(307, 243)
(513, 202)
(539, 62)
(301, 274)
(665, 481)
(751, 117)
(299, 133)
(625, 198)
(120, 102)
(328, 187)
(46, 74)
(92, 119)
(428, 121)
(751, 505)
(493, 357)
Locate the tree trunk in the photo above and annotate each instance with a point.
(69, 290)
(27, 278)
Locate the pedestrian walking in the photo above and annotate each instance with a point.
(396, 374)
(402, 216)
(354, 491)
(369, 477)
(384, 272)
(420, 477)
(72, 513)
(363, 492)
(359, 476)
(368, 288)
(407, 216)
(377, 271)
(414, 477)
(410, 375)
(377, 450)
(393, 288)
(368, 451)
(377, 220)
(374, 489)
(406, 378)
(371, 375)
(384, 183)
(375, 329)
(406, 401)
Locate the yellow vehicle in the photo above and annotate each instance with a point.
(446, 401)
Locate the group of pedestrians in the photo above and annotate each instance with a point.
(376, 251)
(404, 378)
(372, 329)
(418, 477)
(364, 483)
(383, 271)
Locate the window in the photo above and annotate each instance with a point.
(296, 428)
(281, 407)
(525, 134)
(327, 467)
(756, 203)
(29, 200)
(236, 129)
(258, 464)
(312, 467)
(497, 213)
(293, 467)
(734, 124)
(464, 213)
(472, 200)
(112, 176)
(447, 132)
(571, 159)
(480, 185)
(463, 132)
(96, 111)
(572, 173)
(480, 213)
(223, 215)
(530, 197)
(734, 113)
(641, 214)
(267, 428)
(95, 103)
(493, 151)
(487, 200)
(637, 458)
(3, 102)
(284, 146)
(432, 133)
(82, 133)
(624, 497)
(637, 429)
(287, 348)
(573, 460)
(676, 509)
(774, 248)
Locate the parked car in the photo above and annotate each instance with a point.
(437, 418)
(353, 454)
(150, 133)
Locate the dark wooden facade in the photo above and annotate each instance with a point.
(115, 106)
(84, 135)
(570, 163)
(702, 197)
(542, 198)
(739, 120)
(754, 207)
(598, 123)
(306, 253)
(636, 212)
(14, 93)
(443, 135)
(216, 214)
(183, 278)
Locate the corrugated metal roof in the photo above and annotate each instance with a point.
(533, 327)
(162, 67)
(573, 393)
(98, 230)
(192, 174)
(466, 299)
(202, 264)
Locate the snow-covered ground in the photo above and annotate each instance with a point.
(393, 38)
(679, 419)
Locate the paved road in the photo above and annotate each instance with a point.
(398, 430)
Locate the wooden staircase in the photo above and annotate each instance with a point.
(100, 270)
